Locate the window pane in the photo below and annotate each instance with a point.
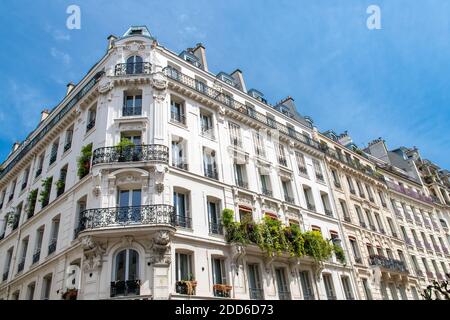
(120, 265)
(133, 265)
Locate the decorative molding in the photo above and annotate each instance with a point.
(93, 253)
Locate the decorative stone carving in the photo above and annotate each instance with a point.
(93, 253)
(161, 248)
(127, 241)
(159, 187)
(105, 85)
(159, 81)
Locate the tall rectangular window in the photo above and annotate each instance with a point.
(254, 282)
(206, 125)
(54, 152)
(181, 206)
(282, 284)
(92, 114)
(347, 288)
(235, 134)
(367, 291)
(46, 287)
(307, 289)
(301, 163)
(183, 267)
(132, 105)
(177, 112)
(329, 287)
(260, 150)
(318, 170)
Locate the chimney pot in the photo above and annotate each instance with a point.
(70, 87)
(44, 114)
(111, 40)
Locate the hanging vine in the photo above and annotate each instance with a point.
(275, 239)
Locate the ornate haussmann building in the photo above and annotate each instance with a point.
(119, 191)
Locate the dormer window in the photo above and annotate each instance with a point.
(226, 78)
(257, 95)
(135, 31)
(191, 58)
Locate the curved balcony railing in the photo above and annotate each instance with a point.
(155, 214)
(151, 152)
(387, 263)
(132, 68)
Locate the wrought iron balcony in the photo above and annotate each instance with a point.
(289, 199)
(310, 206)
(303, 170)
(242, 184)
(122, 69)
(418, 244)
(388, 263)
(52, 247)
(183, 221)
(151, 152)
(90, 125)
(211, 173)
(328, 212)
(409, 192)
(215, 228)
(282, 161)
(436, 248)
(256, 294)
(177, 117)
(36, 256)
(267, 192)
(131, 111)
(21, 265)
(236, 141)
(125, 288)
(428, 246)
(155, 214)
(67, 146)
(181, 165)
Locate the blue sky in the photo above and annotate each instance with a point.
(391, 83)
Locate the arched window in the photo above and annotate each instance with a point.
(127, 265)
(134, 65)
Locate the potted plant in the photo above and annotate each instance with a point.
(187, 286)
(84, 161)
(125, 149)
(70, 294)
(60, 185)
(222, 290)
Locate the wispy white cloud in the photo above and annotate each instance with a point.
(57, 34)
(60, 55)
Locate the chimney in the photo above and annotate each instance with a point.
(15, 146)
(237, 76)
(200, 52)
(111, 40)
(44, 114)
(70, 87)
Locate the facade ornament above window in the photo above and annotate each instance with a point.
(105, 85)
(159, 82)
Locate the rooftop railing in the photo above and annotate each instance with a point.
(226, 100)
(409, 192)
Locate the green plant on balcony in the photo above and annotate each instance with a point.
(275, 239)
(84, 161)
(32, 197)
(316, 246)
(44, 195)
(60, 185)
(339, 252)
(124, 144)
